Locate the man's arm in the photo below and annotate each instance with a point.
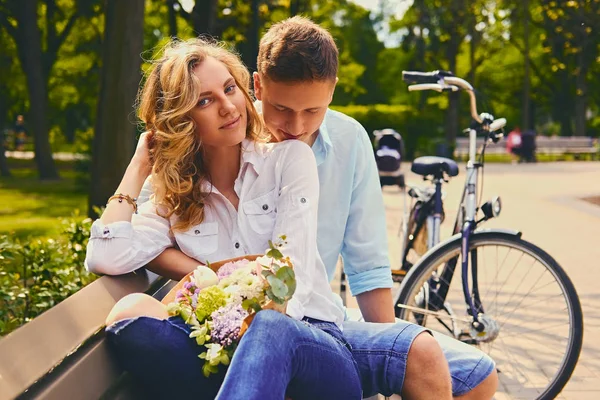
(173, 264)
(373, 306)
(365, 246)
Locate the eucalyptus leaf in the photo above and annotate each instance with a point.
(275, 253)
(277, 286)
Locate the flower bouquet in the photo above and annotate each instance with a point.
(219, 301)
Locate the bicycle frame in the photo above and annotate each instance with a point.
(466, 218)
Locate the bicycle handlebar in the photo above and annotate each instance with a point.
(433, 86)
(424, 77)
(497, 124)
(441, 81)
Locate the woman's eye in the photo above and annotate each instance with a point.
(230, 88)
(203, 102)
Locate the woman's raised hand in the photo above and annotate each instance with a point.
(142, 157)
(139, 168)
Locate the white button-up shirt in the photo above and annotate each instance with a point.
(278, 192)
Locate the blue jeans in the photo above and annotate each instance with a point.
(381, 351)
(277, 357)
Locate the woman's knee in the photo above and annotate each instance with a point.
(136, 305)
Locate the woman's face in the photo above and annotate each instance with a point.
(220, 114)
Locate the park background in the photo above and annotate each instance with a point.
(72, 69)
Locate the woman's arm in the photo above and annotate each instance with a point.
(173, 264)
(137, 171)
(115, 247)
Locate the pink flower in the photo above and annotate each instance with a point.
(228, 268)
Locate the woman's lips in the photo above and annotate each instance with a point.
(233, 123)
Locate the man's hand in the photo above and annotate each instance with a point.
(377, 305)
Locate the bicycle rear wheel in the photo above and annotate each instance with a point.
(531, 308)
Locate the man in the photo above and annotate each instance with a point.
(296, 78)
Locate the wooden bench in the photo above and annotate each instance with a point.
(580, 146)
(63, 354)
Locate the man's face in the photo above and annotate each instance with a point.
(293, 110)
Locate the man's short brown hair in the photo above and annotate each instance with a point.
(297, 50)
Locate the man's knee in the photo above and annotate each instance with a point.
(136, 305)
(427, 371)
(425, 352)
(485, 390)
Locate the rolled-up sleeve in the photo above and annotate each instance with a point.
(365, 247)
(121, 247)
(297, 209)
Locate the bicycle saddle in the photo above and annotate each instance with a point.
(436, 166)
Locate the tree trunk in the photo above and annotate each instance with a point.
(251, 53)
(526, 111)
(172, 18)
(114, 137)
(581, 91)
(30, 55)
(453, 99)
(295, 7)
(4, 170)
(562, 101)
(204, 17)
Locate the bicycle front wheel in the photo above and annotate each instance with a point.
(533, 318)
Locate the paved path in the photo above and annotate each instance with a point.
(544, 202)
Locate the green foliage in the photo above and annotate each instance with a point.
(37, 274)
(416, 128)
(279, 272)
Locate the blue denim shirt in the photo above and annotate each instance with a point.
(351, 209)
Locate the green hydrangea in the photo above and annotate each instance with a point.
(210, 300)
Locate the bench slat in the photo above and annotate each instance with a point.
(31, 351)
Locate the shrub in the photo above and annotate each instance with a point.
(417, 129)
(37, 274)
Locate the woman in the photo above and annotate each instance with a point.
(220, 192)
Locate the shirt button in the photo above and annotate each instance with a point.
(265, 207)
(197, 231)
(302, 200)
(237, 245)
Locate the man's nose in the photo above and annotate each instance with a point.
(295, 126)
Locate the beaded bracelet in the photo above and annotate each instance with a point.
(127, 198)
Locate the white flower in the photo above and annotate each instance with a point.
(204, 277)
(266, 261)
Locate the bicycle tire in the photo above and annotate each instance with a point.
(421, 272)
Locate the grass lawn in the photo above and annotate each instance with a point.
(29, 206)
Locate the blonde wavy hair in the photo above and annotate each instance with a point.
(170, 92)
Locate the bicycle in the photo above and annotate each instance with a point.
(535, 343)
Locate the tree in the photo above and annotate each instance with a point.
(570, 30)
(39, 32)
(114, 136)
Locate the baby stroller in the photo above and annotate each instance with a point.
(389, 152)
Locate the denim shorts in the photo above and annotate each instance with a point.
(381, 352)
(164, 361)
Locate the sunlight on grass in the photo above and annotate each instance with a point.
(29, 206)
